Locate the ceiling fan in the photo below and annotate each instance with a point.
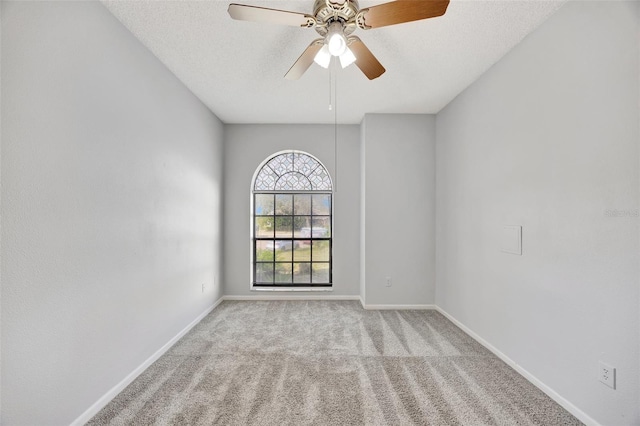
(335, 21)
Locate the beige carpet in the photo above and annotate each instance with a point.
(329, 363)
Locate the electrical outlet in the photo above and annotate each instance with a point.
(203, 287)
(388, 282)
(607, 374)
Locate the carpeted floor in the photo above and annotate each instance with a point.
(329, 363)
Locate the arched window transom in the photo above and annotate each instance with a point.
(292, 171)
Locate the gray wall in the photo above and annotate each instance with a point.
(548, 139)
(363, 235)
(246, 146)
(111, 187)
(399, 208)
(1, 9)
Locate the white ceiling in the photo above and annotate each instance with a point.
(236, 68)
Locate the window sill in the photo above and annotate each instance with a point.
(291, 288)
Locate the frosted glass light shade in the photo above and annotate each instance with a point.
(323, 57)
(337, 44)
(347, 58)
(335, 39)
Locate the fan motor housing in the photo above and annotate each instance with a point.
(327, 12)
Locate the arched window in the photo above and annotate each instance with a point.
(292, 222)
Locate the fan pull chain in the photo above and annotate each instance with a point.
(330, 99)
(335, 129)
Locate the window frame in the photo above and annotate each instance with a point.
(292, 285)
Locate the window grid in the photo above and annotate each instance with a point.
(292, 242)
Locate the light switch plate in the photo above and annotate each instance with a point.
(512, 239)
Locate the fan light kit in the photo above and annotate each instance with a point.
(335, 21)
(335, 45)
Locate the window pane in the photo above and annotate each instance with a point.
(264, 204)
(320, 179)
(293, 181)
(284, 226)
(302, 273)
(264, 273)
(264, 227)
(302, 226)
(264, 251)
(320, 273)
(281, 163)
(302, 204)
(321, 204)
(284, 204)
(321, 251)
(321, 227)
(283, 273)
(283, 250)
(302, 251)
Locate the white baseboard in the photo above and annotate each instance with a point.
(277, 296)
(579, 414)
(398, 307)
(107, 397)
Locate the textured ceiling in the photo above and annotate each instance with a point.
(236, 68)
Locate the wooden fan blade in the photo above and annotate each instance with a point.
(397, 12)
(305, 60)
(365, 60)
(261, 14)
